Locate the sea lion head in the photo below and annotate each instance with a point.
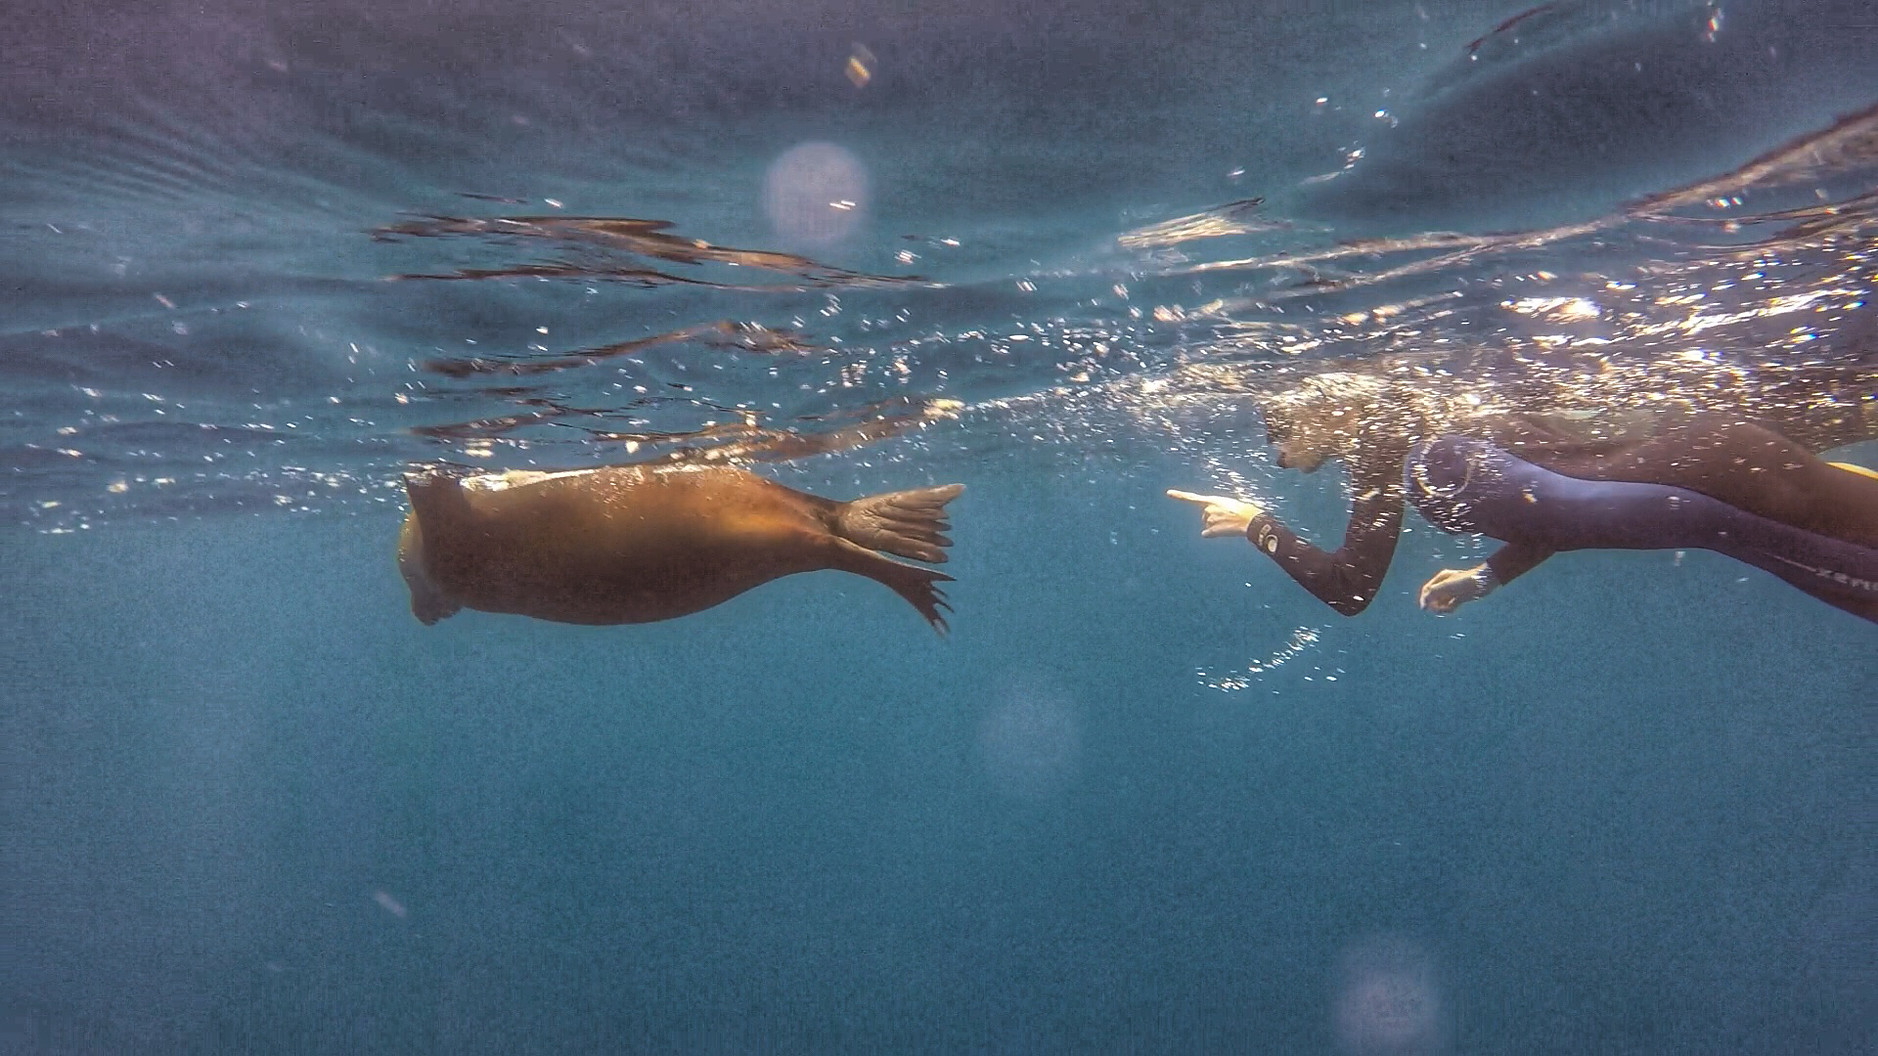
(428, 602)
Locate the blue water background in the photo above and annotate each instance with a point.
(251, 805)
(1623, 810)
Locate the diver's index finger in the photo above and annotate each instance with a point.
(1186, 496)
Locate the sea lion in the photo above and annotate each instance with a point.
(634, 544)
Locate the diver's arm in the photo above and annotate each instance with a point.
(1514, 560)
(1347, 578)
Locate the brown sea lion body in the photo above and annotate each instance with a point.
(634, 544)
(639, 543)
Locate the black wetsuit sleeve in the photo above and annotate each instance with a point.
(1514, 560)
(1345, 579)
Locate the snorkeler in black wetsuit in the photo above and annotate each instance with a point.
(1794, 503)
(1787, 512)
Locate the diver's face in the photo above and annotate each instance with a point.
(1301, 457)
(1301, 448)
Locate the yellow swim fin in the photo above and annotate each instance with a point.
(1862, 471)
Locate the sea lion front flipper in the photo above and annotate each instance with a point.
(919, 586)
(908, 523)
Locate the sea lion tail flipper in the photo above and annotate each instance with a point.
(919, 586)
(908, 523)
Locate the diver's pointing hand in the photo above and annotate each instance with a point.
(1222, 515)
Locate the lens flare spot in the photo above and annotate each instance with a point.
(1388, 999)
(1029, 746)
(815, 193)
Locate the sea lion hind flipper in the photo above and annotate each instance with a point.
(919, 586)
(908, 523)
